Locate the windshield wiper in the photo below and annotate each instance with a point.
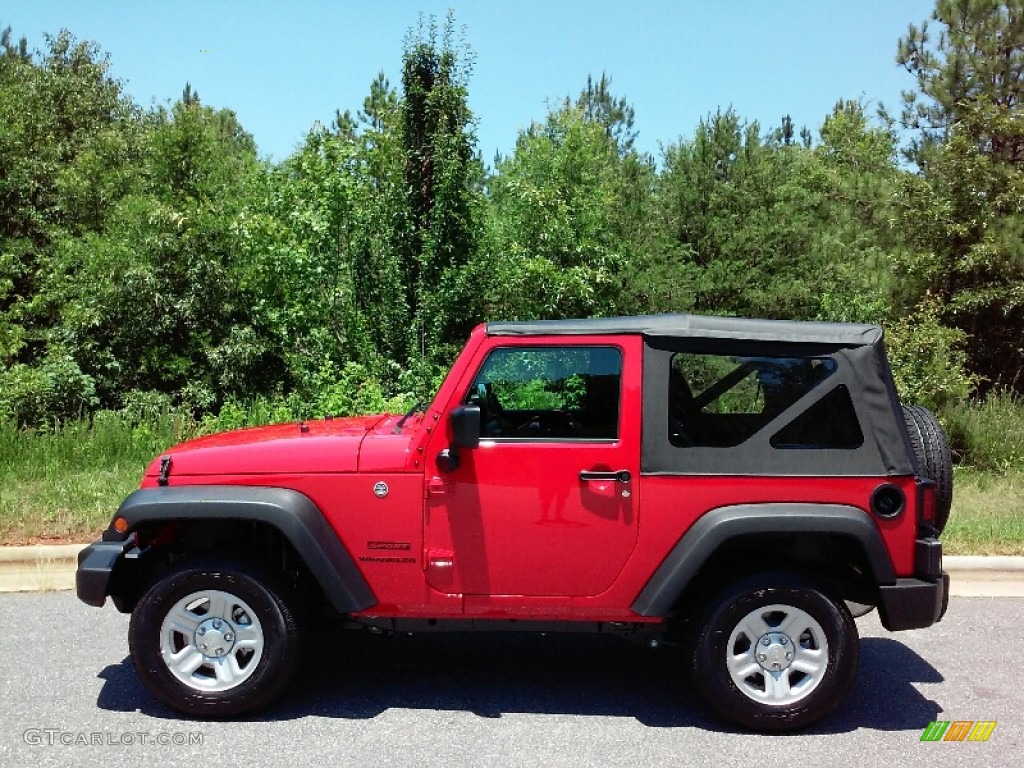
(408, 415)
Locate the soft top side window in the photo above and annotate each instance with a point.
(567, 392)
(723, 400)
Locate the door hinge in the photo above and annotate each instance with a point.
(435, 487)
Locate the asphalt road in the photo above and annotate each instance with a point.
(497, 700)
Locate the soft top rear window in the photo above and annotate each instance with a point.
(723, 400)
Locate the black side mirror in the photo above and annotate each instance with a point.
(466, 426)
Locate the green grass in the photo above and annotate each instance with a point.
(988, 514)
(987, 434)
(64, 484)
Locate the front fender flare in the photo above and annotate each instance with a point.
(292, 513)
(719, 525)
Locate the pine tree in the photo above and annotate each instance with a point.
(970, 76)
(438, 140)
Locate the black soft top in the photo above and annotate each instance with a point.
(698, 326)
(863, 372)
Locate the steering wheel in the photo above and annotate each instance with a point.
(550, 424)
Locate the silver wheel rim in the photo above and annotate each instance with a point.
(211, 640)
(777, 655)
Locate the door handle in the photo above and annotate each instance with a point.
(621, 476)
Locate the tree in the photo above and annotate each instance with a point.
(735, 224)
(631, 173)
(381, 106)
(554, 249)
(857, 162)
(974, 69)
(189, 97)
(19, 51)
(752, 225)
(155, 300)
(324, 243)
(614, 114)
(965, 229)
(381, 231)
(440, 166)
(62, 118)
(962, 214)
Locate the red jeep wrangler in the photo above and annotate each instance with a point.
(743, 486)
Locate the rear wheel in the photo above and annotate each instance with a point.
(214, 638)
(774, 652)
(934, 459)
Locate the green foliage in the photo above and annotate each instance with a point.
(976, 61)
(55, 390)
(352, 391)
(541, 379)
(751, 225)
(555, 244)
(613, 113)
(962, 217)
(986, 518)
(302, 246)
(986, 434)
(963, 224)
(569, 211)
(440, 234)
(928, 359)
(56, 108)
(154, 300)
(152, 265)
(64, 481)
(158, 280)
(530, 395)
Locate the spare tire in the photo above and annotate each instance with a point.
(934, 460)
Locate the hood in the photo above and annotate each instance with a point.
(323, 446)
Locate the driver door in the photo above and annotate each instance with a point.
(546, 505)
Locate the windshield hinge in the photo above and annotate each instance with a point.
(165, 470)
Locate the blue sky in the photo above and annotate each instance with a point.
(281, 66)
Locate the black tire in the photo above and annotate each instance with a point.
(934, 459)
(276, 621)
(709, 651)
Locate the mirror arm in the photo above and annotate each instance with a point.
(448, 459)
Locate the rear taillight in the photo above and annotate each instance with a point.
(926, 506)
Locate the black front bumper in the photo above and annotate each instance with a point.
(96, 564)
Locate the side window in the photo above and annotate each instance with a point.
(829, 423)
(549, 392)
(722, 400)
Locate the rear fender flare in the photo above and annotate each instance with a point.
(720, 525)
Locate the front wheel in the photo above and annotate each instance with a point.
(774, 652)
(214, 638)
